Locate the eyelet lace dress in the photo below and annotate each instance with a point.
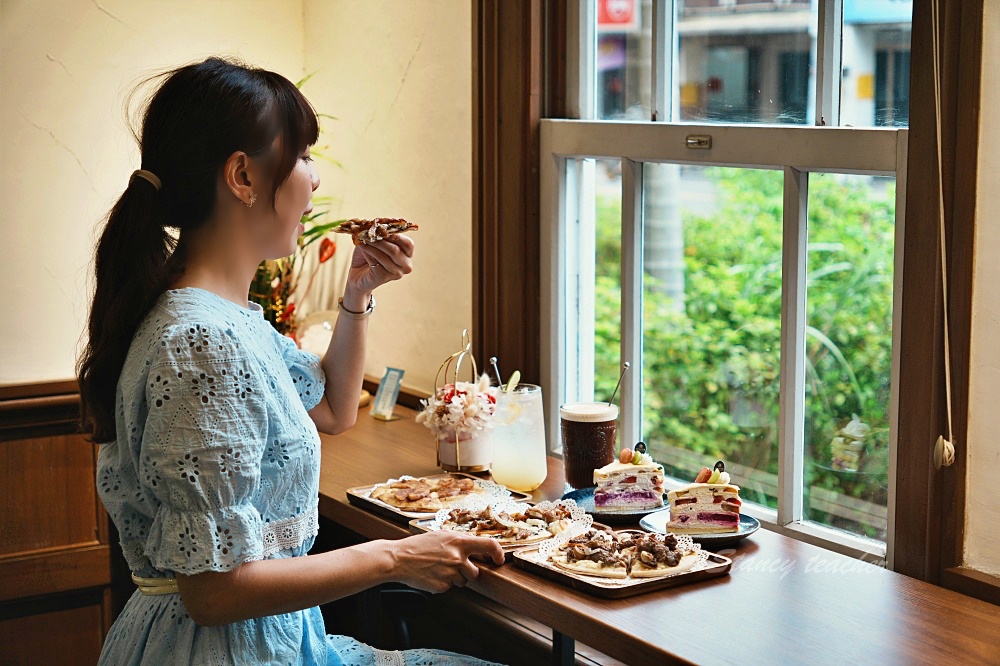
(216, 463)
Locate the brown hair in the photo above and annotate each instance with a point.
(198, 116)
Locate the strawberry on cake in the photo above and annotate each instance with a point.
(709, 505)
(632, 482)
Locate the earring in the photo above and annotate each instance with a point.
(253, 198)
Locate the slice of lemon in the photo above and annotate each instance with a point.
(514, 380)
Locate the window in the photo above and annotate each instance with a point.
(697, 223)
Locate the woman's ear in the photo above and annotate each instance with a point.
(240, 177)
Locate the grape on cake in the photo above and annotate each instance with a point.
(709, 505)
(632, 482)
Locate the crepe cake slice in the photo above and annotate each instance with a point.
(632, 482)
(711, 505)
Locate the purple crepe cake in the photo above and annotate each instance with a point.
(633, 485)
(709, 505)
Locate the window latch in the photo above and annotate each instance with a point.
(699, 141)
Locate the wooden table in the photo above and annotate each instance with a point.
(784, 601)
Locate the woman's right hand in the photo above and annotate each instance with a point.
(435, 561)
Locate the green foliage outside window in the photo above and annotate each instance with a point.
(711, 372)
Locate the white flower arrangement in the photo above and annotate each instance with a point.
(460, 408)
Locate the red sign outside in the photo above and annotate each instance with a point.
(618, 16)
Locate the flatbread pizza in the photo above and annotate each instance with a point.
(656, 555)
(425, 495)
(366, 232)
(510, 528)
(623, 555)
(593, 553)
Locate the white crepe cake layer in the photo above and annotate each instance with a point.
(627, 486)
(704, 508)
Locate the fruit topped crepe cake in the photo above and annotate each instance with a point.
(709, 505)
(632, 482)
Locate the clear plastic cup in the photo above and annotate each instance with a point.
(519, 453)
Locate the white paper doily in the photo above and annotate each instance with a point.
(579, 520)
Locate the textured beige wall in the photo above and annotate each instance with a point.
(982, 536)
(65, 152)
(398, 77)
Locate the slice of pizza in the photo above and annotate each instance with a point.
(593, 553)
(556, 519)
(416, 495)
(366, 232)
(498, 525)
(655, 555)
(451, 489)
(425, 495)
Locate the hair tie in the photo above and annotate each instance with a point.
(147, 176)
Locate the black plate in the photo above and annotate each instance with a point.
(657, 522)
(585, 498)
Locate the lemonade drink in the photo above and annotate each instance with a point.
(519, 453)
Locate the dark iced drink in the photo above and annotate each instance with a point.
(589, 435)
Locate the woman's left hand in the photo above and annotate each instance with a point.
(374, 265)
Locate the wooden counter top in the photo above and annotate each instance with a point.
(784, 601)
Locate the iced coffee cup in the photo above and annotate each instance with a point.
(589, 434)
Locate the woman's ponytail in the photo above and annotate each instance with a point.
(130, 269)
(195, 120)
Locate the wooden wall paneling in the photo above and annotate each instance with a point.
(65, 630)
(55, 536)
(48, 494)
(506, 262)
(53, 571)
(930, 504)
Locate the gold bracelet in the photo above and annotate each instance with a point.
(357, 315)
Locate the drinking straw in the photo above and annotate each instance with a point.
(496, 370)
(625, 367)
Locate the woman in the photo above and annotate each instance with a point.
(209, 464)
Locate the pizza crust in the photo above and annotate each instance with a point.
(588, 568)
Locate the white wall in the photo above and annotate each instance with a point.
(982, 534)
(398, 77)
(65, 152)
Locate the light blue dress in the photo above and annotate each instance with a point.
(216, 463)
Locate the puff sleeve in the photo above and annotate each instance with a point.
(201, 451)
(307, 374)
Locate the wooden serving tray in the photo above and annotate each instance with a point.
(608, 588)
(360, 496)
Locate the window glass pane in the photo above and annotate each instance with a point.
(624, 56)
(594, 279)
(849, 351)
(746, 62)
(875, 83)
(712, 322)
(607, 278)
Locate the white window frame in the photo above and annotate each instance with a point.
(567, 244)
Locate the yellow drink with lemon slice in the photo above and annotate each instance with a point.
(519, 453)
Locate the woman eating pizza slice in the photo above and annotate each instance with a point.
(207, 418)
